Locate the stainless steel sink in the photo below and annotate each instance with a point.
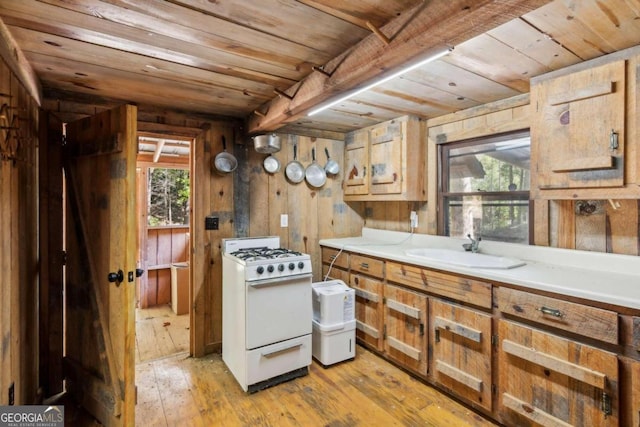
(465, 259)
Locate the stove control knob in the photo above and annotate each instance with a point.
(300, 265)
(281, 268)
(260, 269)
(270, 269)
(291, 266)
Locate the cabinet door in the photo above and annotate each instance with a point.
(405, 318)
(551, 381)
(356, 160)
(578, 129)
(335, 273)
(386, 158)
(368, 310)
(629, 392)
(460, 342)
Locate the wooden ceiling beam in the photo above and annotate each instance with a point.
(427, 28)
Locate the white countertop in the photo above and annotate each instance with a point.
(608, 278)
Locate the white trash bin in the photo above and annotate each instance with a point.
(334, 325)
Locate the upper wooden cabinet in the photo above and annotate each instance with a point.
(386, 161)
(356, 162)
(584, 130)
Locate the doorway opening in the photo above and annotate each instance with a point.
(163, 300)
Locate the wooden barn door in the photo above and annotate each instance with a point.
(100, 230)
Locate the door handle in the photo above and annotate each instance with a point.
(116, 278)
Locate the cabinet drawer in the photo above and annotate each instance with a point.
(366, 265)
(341, 258)
(459, 288)
(577, 318)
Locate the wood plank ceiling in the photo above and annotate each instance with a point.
(271, 61)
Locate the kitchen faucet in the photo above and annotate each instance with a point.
(473, 246)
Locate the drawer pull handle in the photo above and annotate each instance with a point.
(364, 265)
(550, 311)
(282, 350)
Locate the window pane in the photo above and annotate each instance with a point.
(490, 166)
(168, 197)
(486, 188)
(501, 220)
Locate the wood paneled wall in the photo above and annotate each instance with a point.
(313, 213)
(19, 242)
(164, 246)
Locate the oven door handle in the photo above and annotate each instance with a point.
(279, 280)
(282, 350)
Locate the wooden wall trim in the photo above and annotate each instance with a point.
(17, 62)
(480, 110)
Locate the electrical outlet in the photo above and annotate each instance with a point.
(284, 220)
(413, 217)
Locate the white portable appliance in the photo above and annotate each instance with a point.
(334, 324)
(266, 311)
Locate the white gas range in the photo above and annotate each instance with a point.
(267, 311)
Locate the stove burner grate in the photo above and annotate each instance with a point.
(263, 253)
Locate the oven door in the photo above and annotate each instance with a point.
(278, 309)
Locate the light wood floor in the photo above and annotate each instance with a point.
(160, 333)
(365, 392)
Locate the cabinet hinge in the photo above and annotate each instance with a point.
(493, 389)
(421, 329)
(384, 332)
(384, 300)
(494, 340)
(63, 140)
(63, 257)
(606, 403)
(437, 335)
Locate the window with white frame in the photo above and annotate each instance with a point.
(484, 188)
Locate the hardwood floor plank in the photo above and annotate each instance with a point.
(182, 390)
(178, 402)
(160, 333)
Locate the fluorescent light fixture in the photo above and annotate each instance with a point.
(381, 81)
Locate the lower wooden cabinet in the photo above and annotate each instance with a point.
(460, 344)
(368, 309)
(533, 370)
(552, 381)
(405, 324)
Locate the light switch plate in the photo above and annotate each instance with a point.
(284, 220)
